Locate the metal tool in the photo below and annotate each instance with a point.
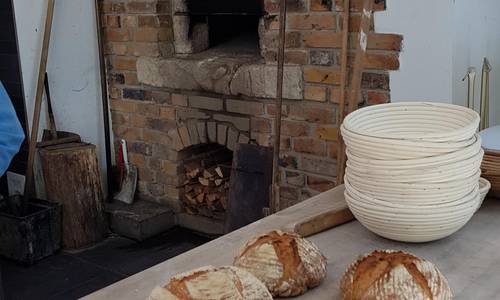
(129, 183)
(471, 89)
(485, 95)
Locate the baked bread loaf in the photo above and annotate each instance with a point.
(394, 275)
(228, 283)
(285, 262)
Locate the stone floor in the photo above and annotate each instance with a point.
(73, 275)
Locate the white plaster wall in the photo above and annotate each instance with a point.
(73, 66)
(426, 61)
(476, 25)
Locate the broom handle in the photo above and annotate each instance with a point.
(275, 195)
(29, 187)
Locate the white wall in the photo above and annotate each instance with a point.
(476, 25)
(426, 61)
(73, 66)
(441, 40)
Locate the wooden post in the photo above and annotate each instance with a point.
(357, 73)
(343, 82)
(72, 178)
(275, 194)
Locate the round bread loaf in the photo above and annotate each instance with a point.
(285, 262)
(394, 275)
(213, 283)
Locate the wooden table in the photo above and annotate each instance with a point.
(470, 259)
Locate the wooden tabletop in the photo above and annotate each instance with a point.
(470, 259)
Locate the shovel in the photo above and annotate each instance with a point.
(129, 181)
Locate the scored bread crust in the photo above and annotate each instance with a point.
(394, 275)
(285, 262)
(208, 282)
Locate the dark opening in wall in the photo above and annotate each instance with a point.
(231, 24)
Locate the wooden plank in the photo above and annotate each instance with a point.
(251, 176)
(469, 259)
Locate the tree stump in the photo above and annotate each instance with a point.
(72, 178)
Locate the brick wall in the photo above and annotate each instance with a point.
(151, 118)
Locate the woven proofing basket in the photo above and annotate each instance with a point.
(413, 169)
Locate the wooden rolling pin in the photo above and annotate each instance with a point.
(327, 211)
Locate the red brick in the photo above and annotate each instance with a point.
(131, 78)
(357, 5)
(322, 75)
(382, 41)
(156, 137)
(294, 129)
(381, 61)
(312, 113)
(118, 7)
(128, 133)
(317, 165)
(323, 39)
(261, 125)
(320, 184)
(148, 109)
(141, 7)
(309, 146)
(123, 106)
(137, 160)
(148, 21)
(377, 97)
(146, 34)
(320, 5)
(138, 121)
(113, 21)
(145, 49)
(116, 35)
(312, 21)
(117, 48)
(296, 57)
(315, 93)
(167, 113)
(124, 63)
(271, 110)
(327, 133)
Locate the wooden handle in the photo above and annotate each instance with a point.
(29, 188)
(326, 211)
(323, 222)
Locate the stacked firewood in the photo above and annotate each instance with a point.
(206, 187)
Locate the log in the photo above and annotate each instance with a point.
(72, 178)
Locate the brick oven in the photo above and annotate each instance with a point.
(190, 77)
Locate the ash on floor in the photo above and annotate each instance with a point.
(71, 276)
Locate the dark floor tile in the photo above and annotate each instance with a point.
(73, 275)
(129, 257)
(87, 287)
(47, 278)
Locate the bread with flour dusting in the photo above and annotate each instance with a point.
(394, 275)
(285, 262)
(228, 283)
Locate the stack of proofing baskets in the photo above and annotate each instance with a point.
(413, 169)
